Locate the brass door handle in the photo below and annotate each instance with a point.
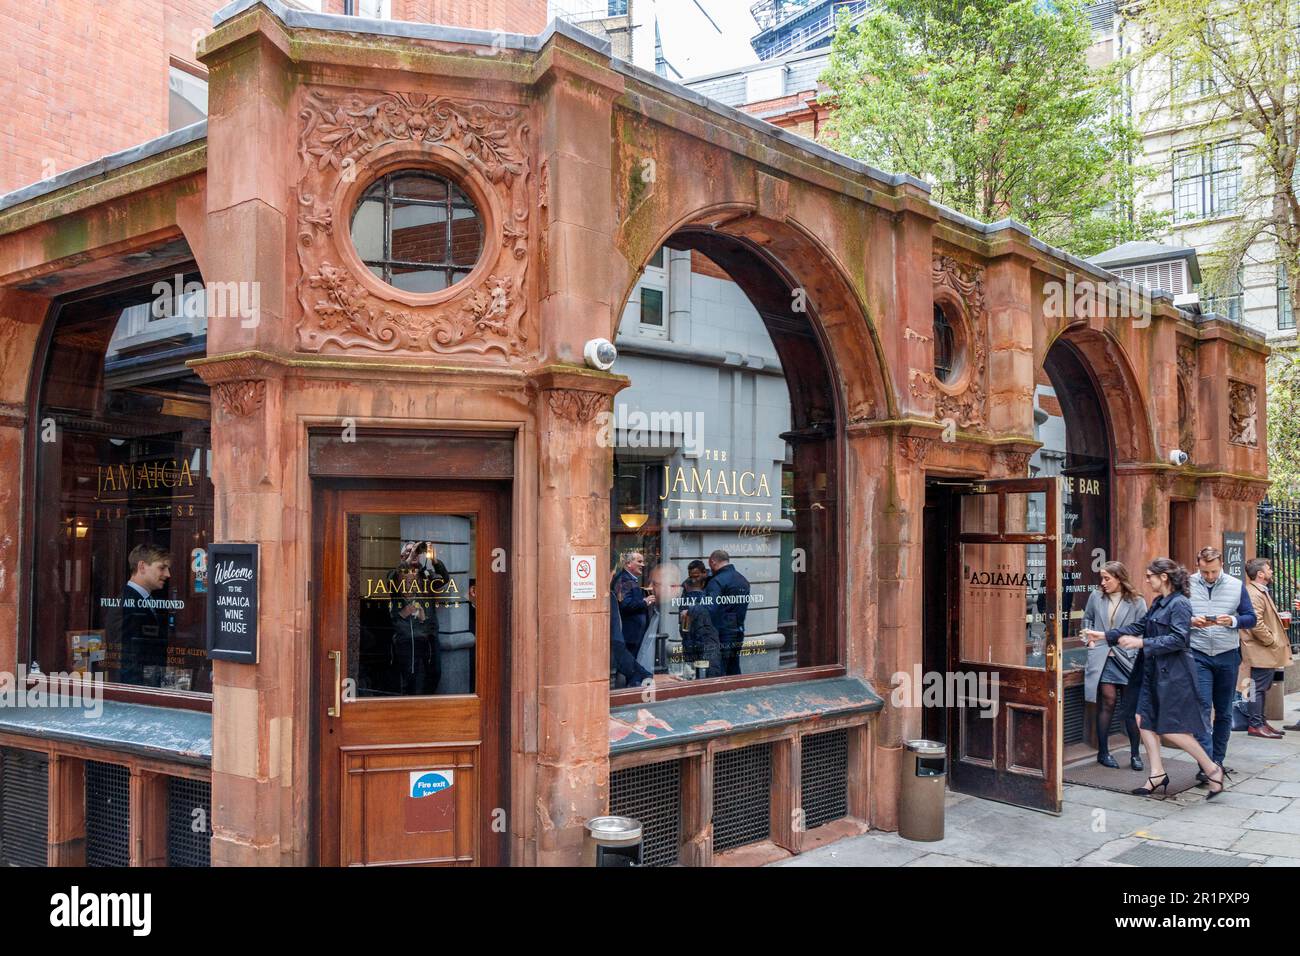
(337, 709)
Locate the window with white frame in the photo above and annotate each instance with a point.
(1191, 80)
(650, 300)
(373, 9)
(187, 98)
(1207, 180)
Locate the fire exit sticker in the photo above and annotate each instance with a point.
(425, 783)
(430, 803)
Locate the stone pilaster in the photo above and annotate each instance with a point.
(573, 636)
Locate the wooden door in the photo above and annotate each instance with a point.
(1004, 721)
(410, 642)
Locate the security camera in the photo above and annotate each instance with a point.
(600, 354)
(1178, 457)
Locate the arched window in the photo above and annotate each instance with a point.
(123, 492)
(724, 515)
(417, 231)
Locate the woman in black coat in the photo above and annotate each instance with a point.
(1168, 706)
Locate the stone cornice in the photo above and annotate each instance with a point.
(170, 168)
(233, 365)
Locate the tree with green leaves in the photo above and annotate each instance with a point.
(1230, 74)
(993, 103)
(1283, 416)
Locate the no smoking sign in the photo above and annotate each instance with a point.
(582, 577)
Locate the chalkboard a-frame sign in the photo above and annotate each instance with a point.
(232, 603)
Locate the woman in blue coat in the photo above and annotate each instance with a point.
(1168, 706)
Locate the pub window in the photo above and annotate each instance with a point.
(123, 494)
(722, 496)
(417, 231)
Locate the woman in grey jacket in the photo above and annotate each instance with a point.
(1112, 673)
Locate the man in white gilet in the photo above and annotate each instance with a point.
(1220, 605)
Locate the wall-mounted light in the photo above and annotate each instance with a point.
(633, 520)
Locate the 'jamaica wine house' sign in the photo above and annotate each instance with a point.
(232, 603)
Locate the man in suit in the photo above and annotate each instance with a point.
(143, 632)
(1264, 647)
(727, 598)
(634, 602)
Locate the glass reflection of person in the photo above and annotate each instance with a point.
(697, 576)
(726, 597)
(414, 658)
(634, 602)
(143, 633)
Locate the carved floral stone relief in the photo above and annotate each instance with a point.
(486, 310)
(967, 405)
(575, 405)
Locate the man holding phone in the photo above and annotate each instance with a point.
(1220, 606)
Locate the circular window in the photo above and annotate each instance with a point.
(417, 231)
(945, 347)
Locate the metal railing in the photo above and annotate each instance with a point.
(1277, 537)
(797, 36)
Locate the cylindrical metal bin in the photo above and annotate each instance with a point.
(612, 841)
(920, 799)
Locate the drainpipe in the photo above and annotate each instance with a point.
(679, 296)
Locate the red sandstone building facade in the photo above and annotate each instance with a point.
(955, 438)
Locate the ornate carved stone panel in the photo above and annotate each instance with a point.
(964, 397)
(1186, 397)
(1242, 414)
(350, 138)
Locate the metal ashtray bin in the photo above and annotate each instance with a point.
(612, 841)
(925, 778)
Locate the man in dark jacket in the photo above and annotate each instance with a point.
(700, 641)
(727, 598)
(633, 601)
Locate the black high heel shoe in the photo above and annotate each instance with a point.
(1212, 782)
(1145, 792)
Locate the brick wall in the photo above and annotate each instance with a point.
(513, 16)
(83, 78)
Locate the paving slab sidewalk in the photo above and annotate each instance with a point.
(1257, 822)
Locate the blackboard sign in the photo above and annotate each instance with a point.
(232, 603)
(1234, 554)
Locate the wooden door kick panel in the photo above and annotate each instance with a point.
(409, 805)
